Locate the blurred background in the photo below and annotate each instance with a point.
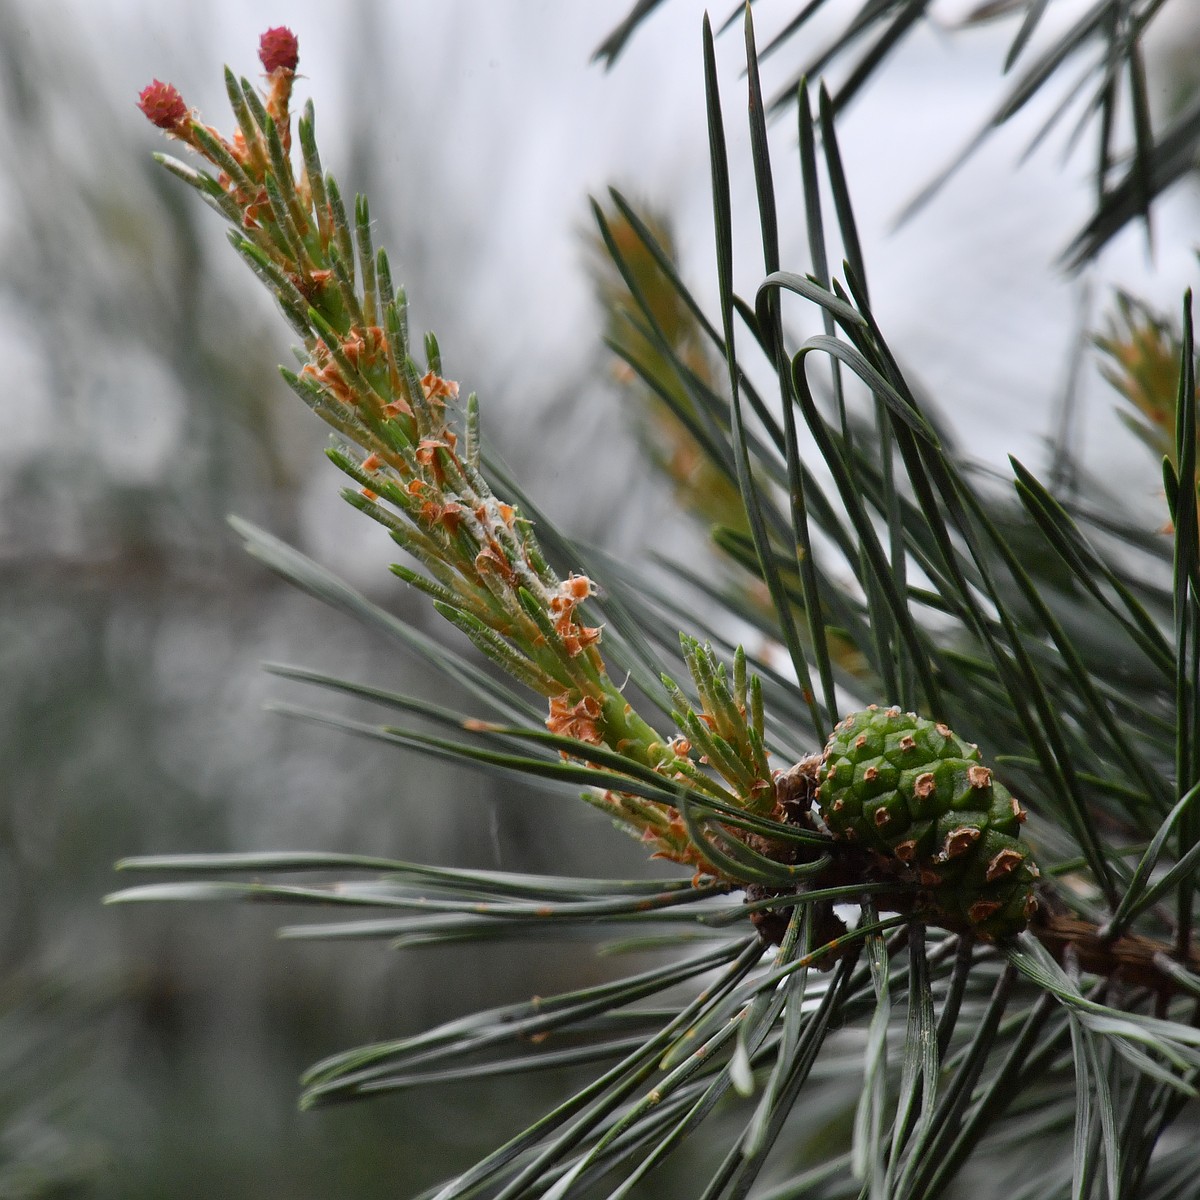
(154, 1052)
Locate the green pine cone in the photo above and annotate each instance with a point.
(915, 793)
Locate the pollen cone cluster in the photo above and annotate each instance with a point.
(916, 795)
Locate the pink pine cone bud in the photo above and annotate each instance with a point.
(277, 48)
(162, 104)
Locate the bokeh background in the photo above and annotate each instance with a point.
(154, 1052)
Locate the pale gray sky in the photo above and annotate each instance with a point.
(512, 126)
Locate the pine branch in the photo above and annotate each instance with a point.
(977, 988)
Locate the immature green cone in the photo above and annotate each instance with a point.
(919, 796)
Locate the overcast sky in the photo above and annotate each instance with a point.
(501, 126)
